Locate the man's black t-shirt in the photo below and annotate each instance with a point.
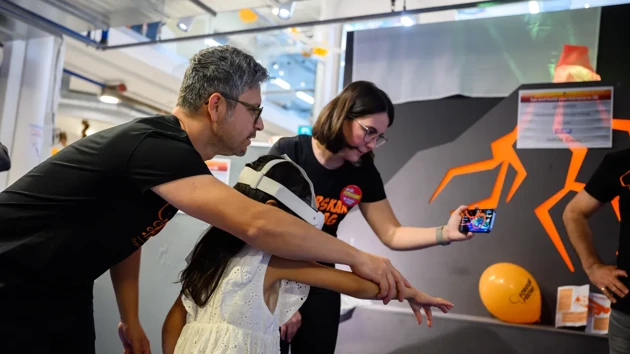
(611, 180)
(90, 206)
(338, 190)
(5, 161)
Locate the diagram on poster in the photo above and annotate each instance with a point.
(565, 118)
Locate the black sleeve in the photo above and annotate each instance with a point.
(159, 159)
(276, 149)
(604, 183)
(283, 146)
(374, 190)
(5, 161)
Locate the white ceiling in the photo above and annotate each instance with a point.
(233, 5)
(158, 84)
(155, 84)
(153, 76)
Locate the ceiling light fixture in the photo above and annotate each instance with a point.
(111, 93)
(281, 83)
(185, 23)
(105, 98)
(305, 97)
(406, 21)
(285, 10)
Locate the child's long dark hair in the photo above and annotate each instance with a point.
(217, 247)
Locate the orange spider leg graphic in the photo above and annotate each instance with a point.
(578, 153)
(502, 154)
(542, 211)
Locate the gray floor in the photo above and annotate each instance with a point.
(373, 331)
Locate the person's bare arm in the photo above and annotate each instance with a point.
(317, 275)
(272, 230)
(125, 278)
(575, 218)
(347, 283)
(381, 218)
(173, 325)
(262, 226)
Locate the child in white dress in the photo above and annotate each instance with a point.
(235, 297)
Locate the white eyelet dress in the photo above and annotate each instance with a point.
(236, 319)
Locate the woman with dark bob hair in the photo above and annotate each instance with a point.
(338, 159)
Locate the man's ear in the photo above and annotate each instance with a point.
(214, 105)
(272, 203)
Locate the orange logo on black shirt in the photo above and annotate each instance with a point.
(625, 180)
(331, 208)
(154, 229)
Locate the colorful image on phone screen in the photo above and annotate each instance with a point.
(477, 221)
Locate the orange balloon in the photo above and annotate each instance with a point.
(510, 293)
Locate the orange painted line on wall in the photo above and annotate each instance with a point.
(503, 154)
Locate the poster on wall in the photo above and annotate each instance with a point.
(220, 169)
(565, 118)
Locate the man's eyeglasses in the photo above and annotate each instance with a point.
(255, 110)
(372, 134)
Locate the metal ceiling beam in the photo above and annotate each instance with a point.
(77, 75)
(204, 7)
(319, 23)
(98, 22)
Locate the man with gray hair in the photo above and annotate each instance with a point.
(91, 207)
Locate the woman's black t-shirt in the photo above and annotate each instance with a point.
(339, 190)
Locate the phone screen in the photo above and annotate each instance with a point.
(477, 221)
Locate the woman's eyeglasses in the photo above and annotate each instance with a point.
(372, 134)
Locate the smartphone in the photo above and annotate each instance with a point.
(477, 221)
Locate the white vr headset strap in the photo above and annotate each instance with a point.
(288, 159)
(257, 180)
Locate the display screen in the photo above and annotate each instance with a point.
(477, 220)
